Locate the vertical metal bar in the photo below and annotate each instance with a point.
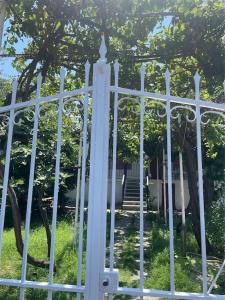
(182, 187)
(113, 199)
(157, 176)
(164, 187)
(200, 183)
(216, 277)
(182, 202)
(30, 188)
(7, 162)
(56, 184)
(170, 190)
(2, 20)
(76, 227)
(83, 176)
(142, 111)
(97, 203)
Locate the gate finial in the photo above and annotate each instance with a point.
(167, 79)
(197, 79)
(103, 49)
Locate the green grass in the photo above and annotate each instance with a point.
(66, 261)
(156, 268)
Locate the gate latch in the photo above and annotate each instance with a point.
(109, 281)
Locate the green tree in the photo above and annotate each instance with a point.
(64, 33)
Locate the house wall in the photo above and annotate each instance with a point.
(153, 193)
(71, 195)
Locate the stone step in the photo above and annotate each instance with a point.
(128, 194)
(125, 202)
(133, 198)
(132, 207)
(133, 187)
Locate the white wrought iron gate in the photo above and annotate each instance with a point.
(99, 281)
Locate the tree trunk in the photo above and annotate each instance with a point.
(191, 166)
(17, 226)
(45, 221)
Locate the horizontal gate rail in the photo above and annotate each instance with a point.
(166, 294)
(174, 99)
(48, 99)
(42, 285)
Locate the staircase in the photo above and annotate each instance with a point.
(131, 200)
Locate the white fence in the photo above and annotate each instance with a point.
(100, 281)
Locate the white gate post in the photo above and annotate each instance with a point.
(97, 202)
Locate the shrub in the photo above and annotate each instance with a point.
(215, 226)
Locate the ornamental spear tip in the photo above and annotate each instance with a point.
(142, 70)
(116, 64)
(197, 78)
(39, 82)
(87, 64)
(167, 74)
(62, 72)
(167, 79)
(103, 49)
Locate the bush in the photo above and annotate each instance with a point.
(215, 226)
(160, 274)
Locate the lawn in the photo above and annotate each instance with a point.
(66, 260)
(156, 250)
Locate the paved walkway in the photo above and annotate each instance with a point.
(123, 222)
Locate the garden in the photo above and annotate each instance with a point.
(43, 38)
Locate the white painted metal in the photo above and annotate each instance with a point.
(164, 187)
(2, 20)
(182, 187)
(7, 163)
(216, 277)
(200, 184)
(166, 294)
(142, 111)
(170, 190)
(96, 234)
(42, 100)
(14, 109)
(56, 184)
(83, 179)
(76, 225)
(30, 188)
(170, 98)
(42, 285)
(157, 178)
(113, 200)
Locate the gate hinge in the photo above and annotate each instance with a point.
(109, 281)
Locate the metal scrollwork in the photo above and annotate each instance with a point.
(159, 113)
(73, 108)
(122, 106)
(43, 113)
(176, 114)
(67, 105)
(205, 118)
(29, 116)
